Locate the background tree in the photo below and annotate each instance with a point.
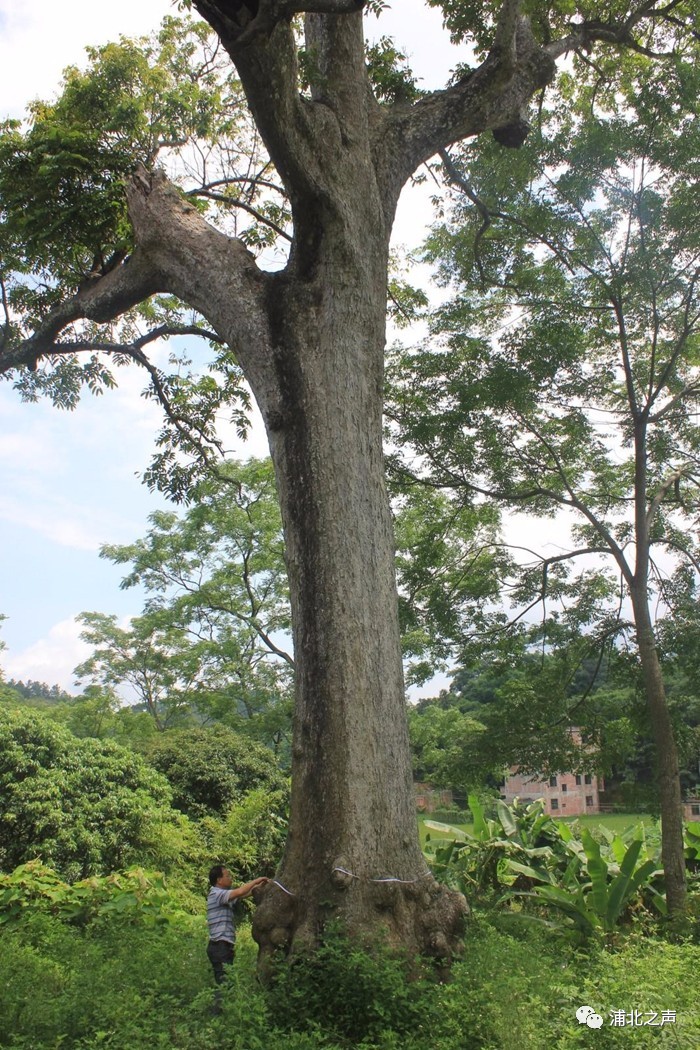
(6, 691)
(231, 787)
(211, 640)
(210, 769)
(450, 570)
(446, 746)
(310, 340)
(581, 398)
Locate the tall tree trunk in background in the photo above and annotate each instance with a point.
(667, 766)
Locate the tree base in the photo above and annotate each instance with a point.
(421, 918)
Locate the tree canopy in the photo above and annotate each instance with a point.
(565, 371)
(210, 769)
(211, 640)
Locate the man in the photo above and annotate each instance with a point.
(220, 905)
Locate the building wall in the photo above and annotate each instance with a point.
(691, 809)
(566, 795)
(428, 798)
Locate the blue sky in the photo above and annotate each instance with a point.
(68, 480)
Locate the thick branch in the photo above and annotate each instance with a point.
(301, 138)
(494, 96)
(491, 97)
(671, 482)
(247, 20)
(177, 252)
(504, 44)
(100, 300)
(691, 390)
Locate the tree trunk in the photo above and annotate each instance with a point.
(353, 851)
(667, 767)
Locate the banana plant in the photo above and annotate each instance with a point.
(692, 843)
(481, 859)
(593, 894)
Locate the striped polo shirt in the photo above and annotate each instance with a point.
(220, 915)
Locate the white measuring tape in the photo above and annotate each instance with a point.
(405, 882)
(344, 871)
(283, 888)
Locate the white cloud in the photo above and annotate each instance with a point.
(50, 659)
(79, 527)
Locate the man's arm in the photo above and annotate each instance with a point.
(246, 889)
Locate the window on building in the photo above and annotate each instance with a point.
(589, 800)
(554, 802)
(564, 787)
(695, 810)
(552, 782)
(578, 780)
(589, 778)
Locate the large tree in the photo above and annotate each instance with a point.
(309, 339)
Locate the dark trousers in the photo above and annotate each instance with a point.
(220, 955)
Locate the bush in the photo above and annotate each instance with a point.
(114, 984)
(134, 895)
(522, 989)
(210, 769)
(250, 838)
(120, 982)
(352, 992)
(451, 816)
(84, 806)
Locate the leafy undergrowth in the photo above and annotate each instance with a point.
(118, 979)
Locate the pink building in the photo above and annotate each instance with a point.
(564, 795)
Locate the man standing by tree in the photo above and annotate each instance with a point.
(222, 931)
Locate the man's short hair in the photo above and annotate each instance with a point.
(216, 873)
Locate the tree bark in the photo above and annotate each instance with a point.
(667, 766)
(352, 820)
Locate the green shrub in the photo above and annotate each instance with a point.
(250, 838)
(352, 991)
(84, 806)
(451, 816)
(521, 989)
(211, 769)
(120, 981)
(133, 895)
(112, 984)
